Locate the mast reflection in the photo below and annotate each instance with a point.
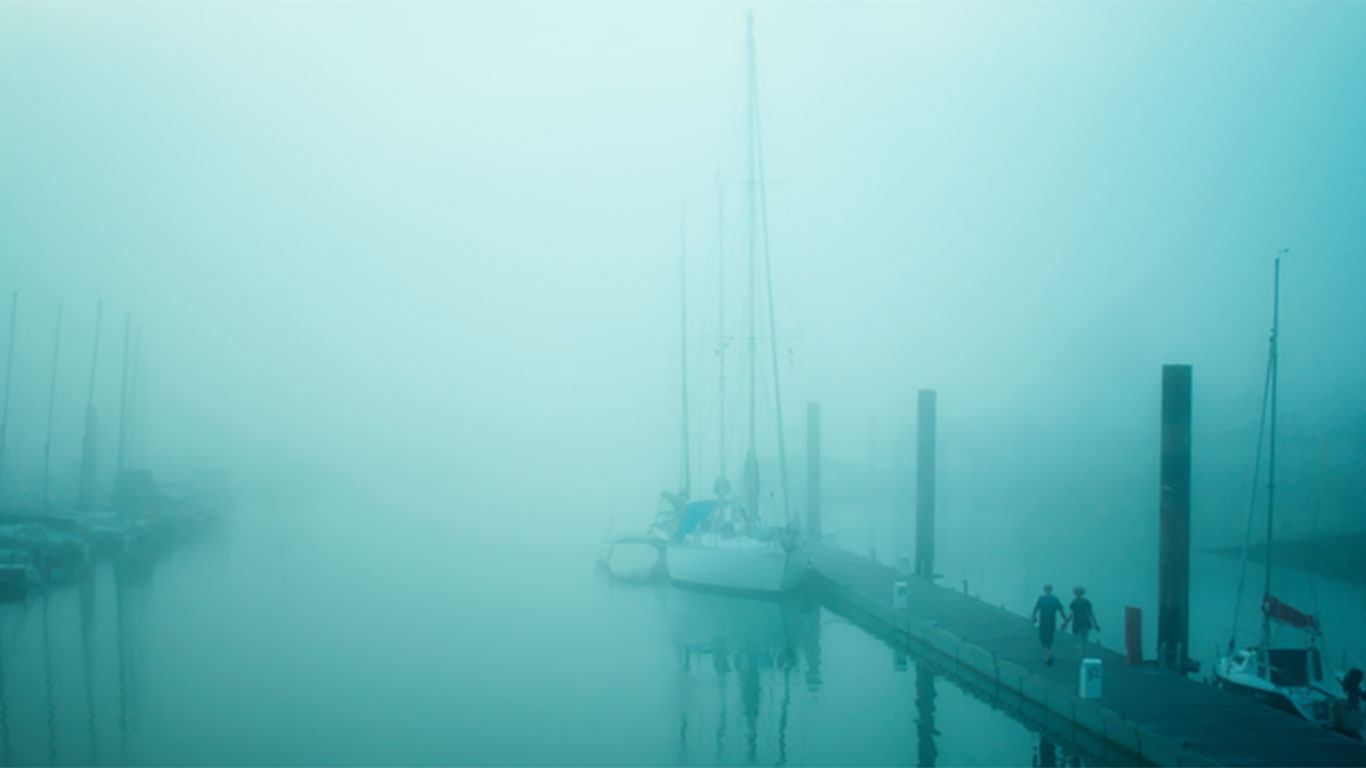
(1047, 754)
(132, 573)
(5, 754)
(47, 688)
(754, 647)
(87, 617)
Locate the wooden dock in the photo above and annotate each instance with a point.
(1160, 716)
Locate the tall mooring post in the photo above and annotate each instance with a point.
(813, 471)
(1174, 512)
(924, 485)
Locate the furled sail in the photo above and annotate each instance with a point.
(1288, 614)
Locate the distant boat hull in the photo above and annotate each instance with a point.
(16, 580)
(731, 565)
(633, 558)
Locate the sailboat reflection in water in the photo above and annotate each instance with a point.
(739, 659)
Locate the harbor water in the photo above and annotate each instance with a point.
(307, 632)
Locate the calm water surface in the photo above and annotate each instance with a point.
(328, 633)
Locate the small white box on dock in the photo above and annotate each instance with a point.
(900, 594)
(1089, 682)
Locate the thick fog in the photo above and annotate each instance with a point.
(408, 277)
(395, 244)
(421, 243)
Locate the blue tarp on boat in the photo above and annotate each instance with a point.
(694, 512)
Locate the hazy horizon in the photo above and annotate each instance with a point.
(436, 242)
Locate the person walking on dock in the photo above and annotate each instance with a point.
(1083, 618)
(1046, 611)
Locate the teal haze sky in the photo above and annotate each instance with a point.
(394, 242)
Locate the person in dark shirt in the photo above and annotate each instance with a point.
(1083, 618)
(1047, 609)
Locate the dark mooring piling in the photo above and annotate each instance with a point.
(924, 485)
(1174, 512)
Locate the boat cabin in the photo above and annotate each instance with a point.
(1288, 667)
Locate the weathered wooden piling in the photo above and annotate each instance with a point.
(1173, 565)
(813, 470)
(1133, 635)
(924, 485)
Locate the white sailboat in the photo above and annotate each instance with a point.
(1291, 678)
(722, 543)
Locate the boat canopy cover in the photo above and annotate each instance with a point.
(1288, 614)
(693, 515)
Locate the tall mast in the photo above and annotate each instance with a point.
(722, 485)
(9, 372)
(95, 353)
(86, 496)
(751, 456)
(51, 402)
(123, 394)
(768, 282)
(683, 342)
(1271, 457)
(134, 386)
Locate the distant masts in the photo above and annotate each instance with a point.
(134, 388)
(51, 403)
(86, 495)
(762, 191)
(683, 343)
(722, 488)
(758, 223)
(123, 394)
(9, 372)
(751, 477)
(95, 353)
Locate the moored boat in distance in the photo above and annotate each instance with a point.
(633, 558)
(722, 543)
(1289, 679)
(1292, 679)
(19, 574)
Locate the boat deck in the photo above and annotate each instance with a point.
(1166, 718)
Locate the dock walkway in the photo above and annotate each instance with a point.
(1166, 718)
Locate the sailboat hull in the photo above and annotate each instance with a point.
(1268, 696)
(1241, 674)
(633, 558)
(746, 566)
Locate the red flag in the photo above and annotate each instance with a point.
(1288, 614)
